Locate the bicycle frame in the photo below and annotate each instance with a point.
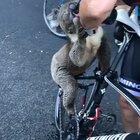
(105, 79)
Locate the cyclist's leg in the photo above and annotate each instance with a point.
(130, 79)
(130, 118)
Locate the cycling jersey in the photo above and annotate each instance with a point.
(130, 70)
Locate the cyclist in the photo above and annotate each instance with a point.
(92, 14)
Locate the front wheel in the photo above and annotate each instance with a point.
(50, 13)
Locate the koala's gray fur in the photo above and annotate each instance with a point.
(76, 56)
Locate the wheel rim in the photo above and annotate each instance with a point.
(46, 21)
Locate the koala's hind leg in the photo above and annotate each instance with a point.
(68, 84)
(104, 55)
(69, 87)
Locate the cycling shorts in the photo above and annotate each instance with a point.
(130, 70)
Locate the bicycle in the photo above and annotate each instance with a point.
(50, 12)
(89, 113)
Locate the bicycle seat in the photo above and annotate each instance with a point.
(123, 17)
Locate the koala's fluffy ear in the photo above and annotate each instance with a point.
(61, 18)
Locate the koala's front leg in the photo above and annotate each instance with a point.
(80, 54)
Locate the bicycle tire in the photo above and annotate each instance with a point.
(61, 118)
(57, 106)
(84, 124)
(47, 8)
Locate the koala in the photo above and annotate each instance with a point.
(76, 56)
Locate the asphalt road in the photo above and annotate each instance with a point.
(27, 92)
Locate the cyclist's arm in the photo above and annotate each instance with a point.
(93, 12)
